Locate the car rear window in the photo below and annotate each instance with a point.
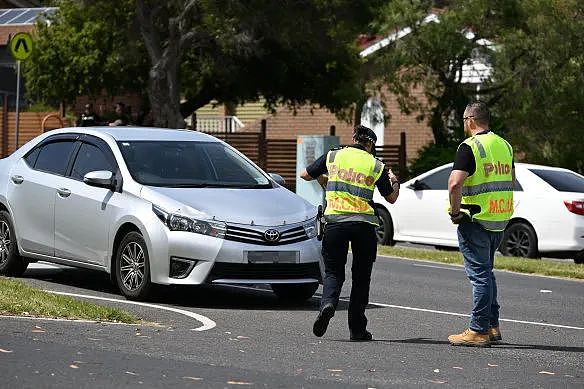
(560, 180)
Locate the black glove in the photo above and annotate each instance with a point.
(462, 216)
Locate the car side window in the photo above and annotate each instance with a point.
(32, 156)
(437, 180)
(54, 157)
(517, 186)
(89, 158)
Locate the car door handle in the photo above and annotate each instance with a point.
(63, 192)
(17, 179)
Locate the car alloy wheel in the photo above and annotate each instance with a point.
(132, 266)
(5, 242)
(11, 263)
(519, 240)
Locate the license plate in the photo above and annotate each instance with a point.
(273, 256)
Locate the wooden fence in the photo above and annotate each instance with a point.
(279, 155)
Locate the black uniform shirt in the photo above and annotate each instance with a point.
(318, 167)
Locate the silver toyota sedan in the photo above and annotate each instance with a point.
(154, 206)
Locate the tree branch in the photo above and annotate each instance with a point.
(149, 33)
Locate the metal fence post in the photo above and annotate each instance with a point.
(263, 147)
(402, 155)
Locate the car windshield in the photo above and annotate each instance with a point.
(190, 165)
(562, 181)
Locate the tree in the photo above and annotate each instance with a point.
(232, 51)
(541, 62)
(432, 55)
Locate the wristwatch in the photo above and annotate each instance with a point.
(394, 183)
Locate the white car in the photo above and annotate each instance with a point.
(548, 218)
(154, 206)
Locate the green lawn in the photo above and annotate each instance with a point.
(520, 265)
(17, 298)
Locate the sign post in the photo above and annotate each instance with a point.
(21, 48)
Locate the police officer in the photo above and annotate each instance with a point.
(353, 173)
(480, 189)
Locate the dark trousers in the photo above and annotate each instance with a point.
(335, 247)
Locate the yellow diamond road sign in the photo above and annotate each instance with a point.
(21, 46)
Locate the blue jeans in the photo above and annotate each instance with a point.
(478, 247)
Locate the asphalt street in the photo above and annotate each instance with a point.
(225, 336)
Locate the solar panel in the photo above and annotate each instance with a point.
(7, 16)
(23, 15)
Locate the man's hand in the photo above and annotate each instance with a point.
(392, 177)
(462, 216)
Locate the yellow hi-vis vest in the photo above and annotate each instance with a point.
(491, 185)
(352, 174)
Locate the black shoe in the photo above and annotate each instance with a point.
(322, 320)
(362, 337)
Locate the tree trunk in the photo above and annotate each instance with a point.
(164, 94)
(165, 57)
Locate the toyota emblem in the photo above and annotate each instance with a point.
(272, 235)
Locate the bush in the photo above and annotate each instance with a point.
(431, 156)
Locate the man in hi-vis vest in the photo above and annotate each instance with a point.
(480, 189)
(353, 173)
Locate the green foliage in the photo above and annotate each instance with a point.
(84, 50)
(288, 52)
(41, 107)
(432, 156)
(541, 62)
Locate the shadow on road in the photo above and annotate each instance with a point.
(200, 296)
(494, 345)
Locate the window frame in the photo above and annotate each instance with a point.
(72, 138)
(99, 144)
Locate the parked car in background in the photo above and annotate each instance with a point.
(154, 206)
(548, 218)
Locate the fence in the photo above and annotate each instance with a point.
(214, 124)
(279, 155)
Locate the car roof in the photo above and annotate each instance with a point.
(123, 133)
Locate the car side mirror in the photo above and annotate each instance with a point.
(417, 185)
(100, 179)
(278, 178)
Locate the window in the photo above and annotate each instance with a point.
(190, 164)
(563, 181)
(436, 181)
(54, 157)
(32, 157)
(89, 158)
(517, 186)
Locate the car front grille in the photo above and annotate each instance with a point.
(248, 235)
(254, 271)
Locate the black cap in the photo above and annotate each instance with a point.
(364, 134)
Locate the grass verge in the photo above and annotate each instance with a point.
(520, 265)
(17, 298)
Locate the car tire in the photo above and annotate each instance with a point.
(296, 293)
(385, 230)
(11, 263)
(519, 240)
(132, 267)
(579, 258)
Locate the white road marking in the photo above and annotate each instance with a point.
(466, 315)
(455, 268)
(207, 323)
(447, 313)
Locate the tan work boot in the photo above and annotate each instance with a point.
(470, 338)
(494, 334)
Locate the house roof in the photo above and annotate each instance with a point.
(15, 20)
(475, 71)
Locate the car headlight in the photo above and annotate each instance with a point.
(176, 222)
(310, 228)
